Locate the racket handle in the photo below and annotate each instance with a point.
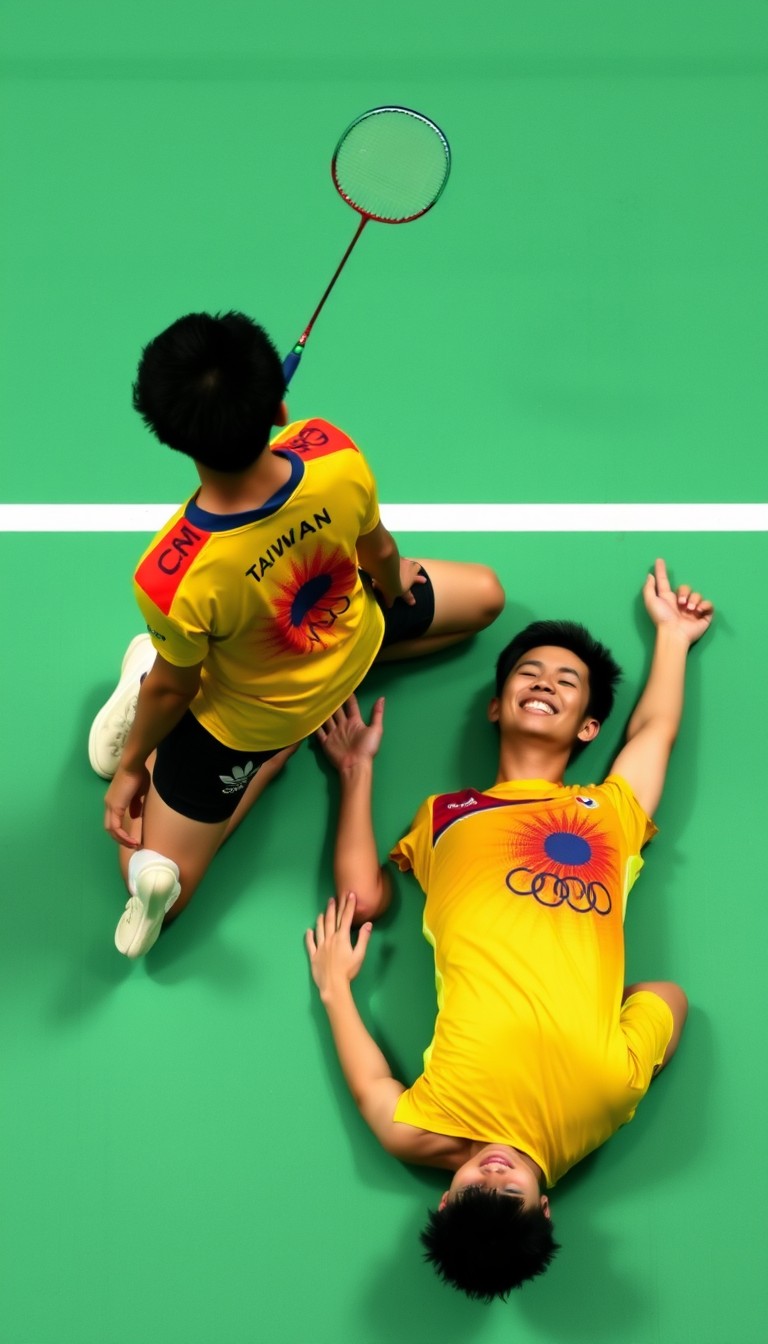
(291, 363)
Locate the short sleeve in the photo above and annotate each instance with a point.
(635, 823)
(414, 851)
(646, 1024)
(372, 516)
(179, 644)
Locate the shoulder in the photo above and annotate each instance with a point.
(315, 438)
(617, 794)
(168, 560)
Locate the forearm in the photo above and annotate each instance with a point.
(158, 710)
(361, 1060)
(381, 559)
(356, 864)
(663, 696)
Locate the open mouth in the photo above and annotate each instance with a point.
(535, 706)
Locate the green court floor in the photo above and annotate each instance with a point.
(581, 319)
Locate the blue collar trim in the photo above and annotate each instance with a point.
(227, 522)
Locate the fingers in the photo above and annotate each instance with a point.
(329, 918)
(310, 944)
(346, 913)
(113, 823)
(662, 578)
(650, 596)
(687, 599)
(361, 947)
(363, 934)
(346, 724)
(320, 929)
(377, 714)
(693, 602)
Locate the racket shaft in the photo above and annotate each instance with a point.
(291, 361)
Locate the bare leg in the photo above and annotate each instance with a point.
(192, 844)
(467, 599)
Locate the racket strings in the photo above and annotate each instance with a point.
(392, 165)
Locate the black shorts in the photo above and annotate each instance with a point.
(402, 621)
(200, 778)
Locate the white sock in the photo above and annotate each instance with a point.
(145, 858)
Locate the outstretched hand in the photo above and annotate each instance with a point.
(333, 957)
(347, 739)
(683, 609)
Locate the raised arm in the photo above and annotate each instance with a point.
(681, 616)
(350, 745)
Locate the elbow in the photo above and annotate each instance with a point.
(371, 904)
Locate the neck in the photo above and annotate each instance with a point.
(531, 760)
(238, 491)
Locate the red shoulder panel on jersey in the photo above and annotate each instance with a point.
(451, 807)
(317, 438)
(161, 572)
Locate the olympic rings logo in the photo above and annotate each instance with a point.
(549, 889)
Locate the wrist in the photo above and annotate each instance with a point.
(355, 769)
(130, 765)
(335, 994)
(670, 635)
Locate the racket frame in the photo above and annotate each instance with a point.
(291, 362)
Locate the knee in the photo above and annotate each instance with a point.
(490, 596)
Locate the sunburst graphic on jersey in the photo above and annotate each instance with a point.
(310, 601)
(563, 859)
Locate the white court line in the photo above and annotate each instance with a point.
(149, 518)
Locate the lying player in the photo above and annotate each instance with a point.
(260, 623)
(540, 1052)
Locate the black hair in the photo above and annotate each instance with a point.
(486, 1244)
(211, 387)
(604, 671)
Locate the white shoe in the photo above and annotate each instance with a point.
(154, 887)
(113, 722)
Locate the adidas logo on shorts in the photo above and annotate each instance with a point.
(239, 779)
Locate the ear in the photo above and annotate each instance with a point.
(443, 1202)
(281, 418)
(544, 1202)
(589, 732)
(494, 709)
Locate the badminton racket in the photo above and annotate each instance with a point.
(391, 165)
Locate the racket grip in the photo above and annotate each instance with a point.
(291, 363)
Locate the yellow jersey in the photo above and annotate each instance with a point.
(526, 886)
(270, 601)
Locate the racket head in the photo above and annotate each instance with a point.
(391, 164)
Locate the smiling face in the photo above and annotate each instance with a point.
(545, 697)
(500, 1170)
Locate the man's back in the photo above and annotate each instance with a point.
(271, 599)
